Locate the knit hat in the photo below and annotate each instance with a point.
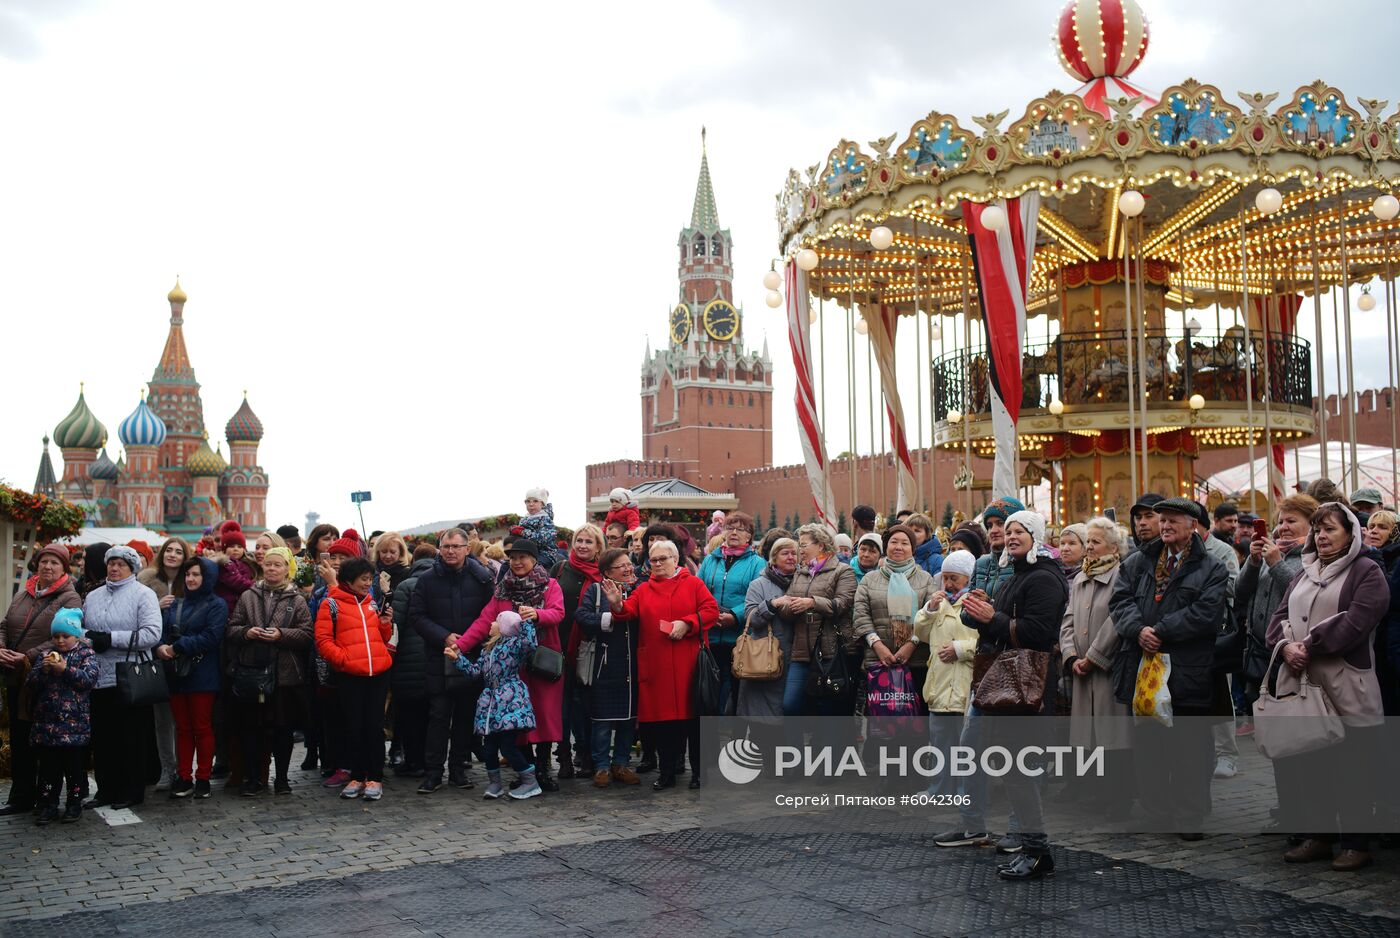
(229, 525)
(623, 495)
(969, 534)
(57, 551)
(843, 540)
(539, 492)
(1079, 530)
(125, 554)
(1002, 508)
(67, 622)
(873, 540)
(1034, 523)
(144, 549)
(286, 555)
(960, 561)
(348, 545)
(717, 516)
(508, 623)
(232, 537)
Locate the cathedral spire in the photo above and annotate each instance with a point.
(175, 359)
(704, 216)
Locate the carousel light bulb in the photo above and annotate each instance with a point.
(935, 331)
(1131, 203)
(861, 327)
(771, 280)
(1057, 407)
(1197, 402)
(807, 259)
(954, 416)
(1268, 201)
(993, 218)
(881, 238)
(774, 299)
(1193, 325)
(1365, 302)
(1386, 207)
(812, 315)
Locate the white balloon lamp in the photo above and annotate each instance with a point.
(881, 238)
(1131, 203)
(774, 299)
(808, 259)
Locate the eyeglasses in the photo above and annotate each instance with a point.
(452, 547)
(663, 558)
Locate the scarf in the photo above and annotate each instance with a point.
(777, 577)
(1325, 559)
(1093, 566)
(527, 590)
(900, 598)
(733, 553)
(815, 566)
(956, 596)
(588, 568)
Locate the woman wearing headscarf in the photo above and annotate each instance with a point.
(193, 631)
(525, 587)
(1325, 625)
(24, 635)
(1073, 546)
(763, 614)
(1088, 645)
(574, 574)
(121, 618)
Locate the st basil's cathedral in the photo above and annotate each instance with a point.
(169, 479)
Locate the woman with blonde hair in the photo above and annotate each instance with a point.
(574, 574)
(265, 542)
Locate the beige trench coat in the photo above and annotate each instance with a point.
(1096, 716)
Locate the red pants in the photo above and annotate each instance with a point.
(194, 732)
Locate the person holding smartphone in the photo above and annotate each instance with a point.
(1274, 561)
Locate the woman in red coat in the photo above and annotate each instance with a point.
(528, 589)
(673, 610)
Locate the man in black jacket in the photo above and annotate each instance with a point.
(445, 602)
(1169, 598)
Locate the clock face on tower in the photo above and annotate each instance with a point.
(721, 320)
(680, 324)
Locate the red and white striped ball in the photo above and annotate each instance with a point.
(1098, 38)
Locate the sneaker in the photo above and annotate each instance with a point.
(1011, 843)
(373, 791)
(252, 788)
(1245, 729)
(281, 787)
(167, 782)
(352, 790)
(962, 839)
(336, 779)
(494, 788)
(1225, 767)
(182, 788)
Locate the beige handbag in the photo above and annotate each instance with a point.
(1289, 723)
(757, 659)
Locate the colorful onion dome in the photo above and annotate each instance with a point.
(244, 426)
(176, 295)
(1101, 38)
(102, 468)
(205, 461)
(142, 427)
(80, 429)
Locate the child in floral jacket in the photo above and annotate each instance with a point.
(538, 526)
(503, 711)
(61, 684)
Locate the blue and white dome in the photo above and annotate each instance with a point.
(142, 427)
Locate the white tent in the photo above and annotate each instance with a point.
(86, 536)
(1373, 470)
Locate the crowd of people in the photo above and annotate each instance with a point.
(192, 663)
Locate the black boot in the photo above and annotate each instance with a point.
(566, 761)
(73, 811)
(47, 814)
(458, 777)
(542, 775)
(312, 758)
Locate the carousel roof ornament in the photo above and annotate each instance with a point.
(1101, 42)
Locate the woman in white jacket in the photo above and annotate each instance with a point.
(951, 645)
(121, 618)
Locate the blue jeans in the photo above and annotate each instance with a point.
(944, 730)
(503, 744)
(974, 787)
(795, 689)
(617, 732)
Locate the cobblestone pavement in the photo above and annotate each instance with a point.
(628, 860)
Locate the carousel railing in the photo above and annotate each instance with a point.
(1089, 369)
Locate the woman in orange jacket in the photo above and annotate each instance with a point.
(352, 635)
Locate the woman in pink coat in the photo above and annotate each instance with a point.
(528, 589)
(673, 610)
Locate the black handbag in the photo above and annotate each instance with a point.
(827, 675)
(141, 682)
(709, 682)
(255, 683)
(547, 663)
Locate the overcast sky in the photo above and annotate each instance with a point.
(431, 239)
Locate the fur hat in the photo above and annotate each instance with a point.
(125, 554)
(348, 544)
(539, 492)
(508, 623)
(1034, 523)
(960, 561)
(67, 622)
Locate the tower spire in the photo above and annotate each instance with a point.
(704, 216)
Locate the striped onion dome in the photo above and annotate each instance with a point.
(244, 426)
(142, 427)
(205, 461)
(102, 468)
(80, 429)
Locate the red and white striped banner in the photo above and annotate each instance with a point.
(1002, 262)
(883, 324)
(1279, 317)
(808, 425)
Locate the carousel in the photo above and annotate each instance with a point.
(1109, 281)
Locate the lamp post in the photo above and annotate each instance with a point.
(1197, 403)
(1057, 409)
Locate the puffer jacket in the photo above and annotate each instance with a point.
(1187, 621)
(25, 627)
(929, 556)
(131, 613)
(350, 636)
(833, 589)
(872, 612)
(729, 583)
(59, 712)
(194, 629)
(265, 608)
(408, 680)
(1259, 590)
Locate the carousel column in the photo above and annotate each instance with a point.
(1353, 481)
(1128, 383)
(1248, 351)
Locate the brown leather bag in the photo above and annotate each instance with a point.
(757, 659)
(1011, 681)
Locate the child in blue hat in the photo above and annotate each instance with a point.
(61, 684)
